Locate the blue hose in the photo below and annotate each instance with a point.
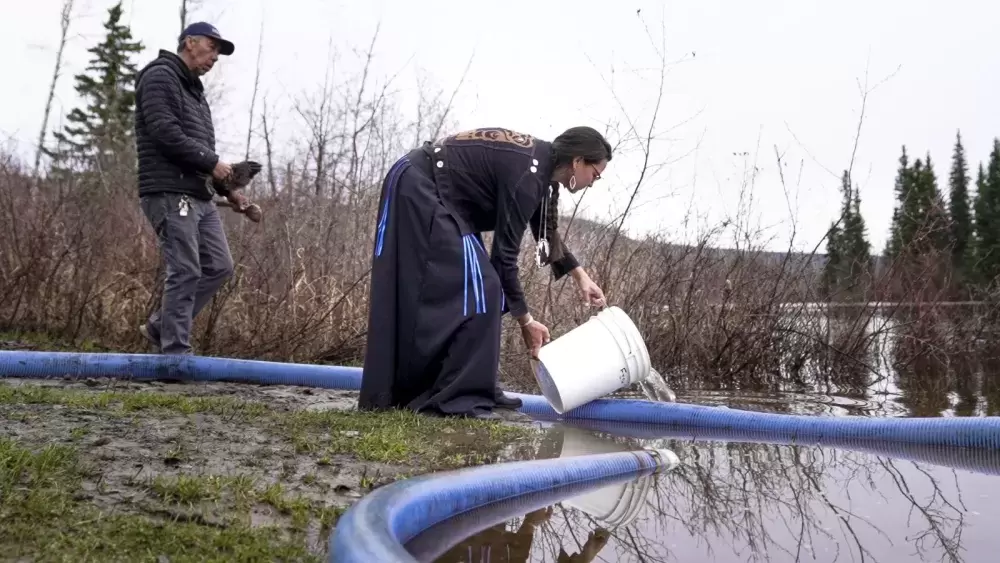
(378, 526)
(985, 461)
(968, 432)
(46, 365)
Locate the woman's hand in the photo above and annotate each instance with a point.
(534, 333)
(590, 292)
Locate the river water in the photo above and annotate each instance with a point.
(731, 500)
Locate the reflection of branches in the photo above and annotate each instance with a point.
(763, 499)
(934, 516)
(844, 516)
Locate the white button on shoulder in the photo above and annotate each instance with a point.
(534, 169)
(534, 161)
(440, 163)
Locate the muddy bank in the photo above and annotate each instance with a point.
(202, 471)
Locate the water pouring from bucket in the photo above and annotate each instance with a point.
(601, 356)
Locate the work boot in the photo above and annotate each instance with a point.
(154, 342)
(505, 402)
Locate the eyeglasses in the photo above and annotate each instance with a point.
(597, 174)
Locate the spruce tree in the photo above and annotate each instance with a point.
(977, 218)
(901, 229)
(832, 267)
(987, 219)
(855, 241)
(848, 250)
(100, 134)
(933, 221)
(958, 207)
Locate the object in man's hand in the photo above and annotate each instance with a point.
(242, 174)
(252, 210)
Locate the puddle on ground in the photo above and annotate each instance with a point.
(732, 501)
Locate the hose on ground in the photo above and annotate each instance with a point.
(967, 432)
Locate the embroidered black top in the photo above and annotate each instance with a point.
(495, 179)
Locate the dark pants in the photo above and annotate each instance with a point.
(197, 259)
(435, 307)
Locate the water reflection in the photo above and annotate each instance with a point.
(859, 361)
(731, 500)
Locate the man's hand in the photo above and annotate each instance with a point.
(243, 173)
(222, 171)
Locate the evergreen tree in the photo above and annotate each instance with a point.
(831, 270)
(902, 224)
(101, 133)
(987, 219)
(920, 221)
(848, 250)
(977, 218)
(855, 243)
(958, 207)
(933, 221)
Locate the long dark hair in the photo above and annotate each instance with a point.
(584, 142)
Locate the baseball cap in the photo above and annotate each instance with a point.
(226, 47)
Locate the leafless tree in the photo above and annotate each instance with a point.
(65, 18)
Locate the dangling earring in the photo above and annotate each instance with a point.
(572, 182)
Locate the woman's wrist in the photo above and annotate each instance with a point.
(578, 274)
(524, 320)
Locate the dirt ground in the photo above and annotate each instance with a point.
(105, 470)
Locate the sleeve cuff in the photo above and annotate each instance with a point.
(517, 308)
(564, 265)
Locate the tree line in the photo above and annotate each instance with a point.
(949, 247)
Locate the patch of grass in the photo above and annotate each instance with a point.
(40, 518)
(49, 509)
(29, 340)
(396, 437)
(402, 437)
(237, 494)
(123, 401)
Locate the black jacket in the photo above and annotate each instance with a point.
(495, 179)
(174, 134)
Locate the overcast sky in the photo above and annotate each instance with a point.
(745, 79)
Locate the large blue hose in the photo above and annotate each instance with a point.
(969, 432)
(378, 526)
(986, 461)
(45, 365)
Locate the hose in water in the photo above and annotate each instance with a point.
(377, 527)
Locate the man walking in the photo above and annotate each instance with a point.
(179, 172)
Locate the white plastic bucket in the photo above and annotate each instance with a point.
(597, 358)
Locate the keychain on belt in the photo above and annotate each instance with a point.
(184, 205)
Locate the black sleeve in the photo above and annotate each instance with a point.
(159, 99)
(515, 200)
(561, 260)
